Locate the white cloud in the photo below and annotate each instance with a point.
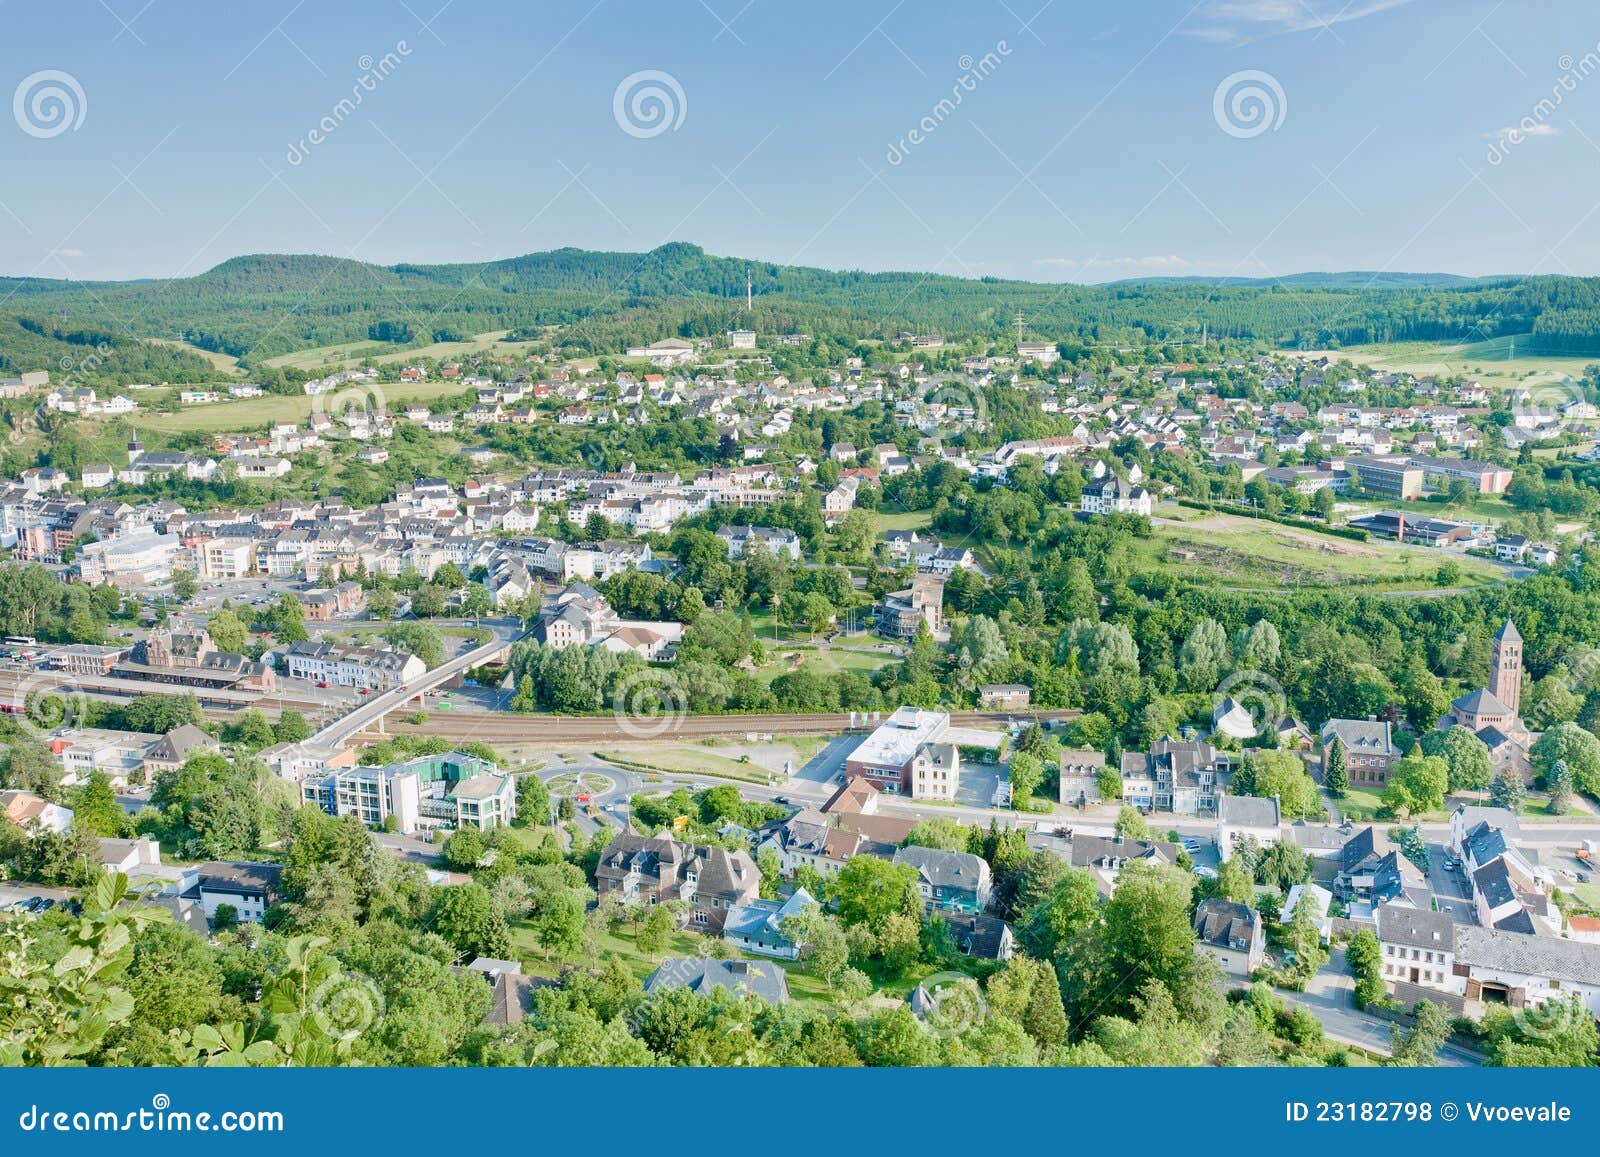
(1531, 129)
(1240, 21)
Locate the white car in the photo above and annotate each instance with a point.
(1204, 872)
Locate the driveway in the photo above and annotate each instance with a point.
(1449, 887)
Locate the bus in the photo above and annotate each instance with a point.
(21, 641)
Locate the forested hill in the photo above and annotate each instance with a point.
(257, 306)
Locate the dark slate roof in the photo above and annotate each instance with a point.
(942, 869)
(1415, 927)
(755, 977)
(1550, 957)
(1222, 922)
(1484, 843)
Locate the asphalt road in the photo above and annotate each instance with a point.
(1331, 998)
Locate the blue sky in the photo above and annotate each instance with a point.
(1088, 142)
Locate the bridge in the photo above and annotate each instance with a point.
(371, 713)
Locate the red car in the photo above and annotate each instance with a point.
(366, 690)
(324, 683)
(584, 797)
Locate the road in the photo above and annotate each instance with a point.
(370, 714)
(1331, 998)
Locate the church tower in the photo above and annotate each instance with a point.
(1505, 667)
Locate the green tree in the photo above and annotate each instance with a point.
(653, 933)
(1336, 774)
(291, 727)
(1027, 774)
(1421, 1044)
(868, 890)
(464, 914)
(1507, 790)
(1559, 784)
(1045, 1018)
(1131, 825)
(559, 923)
(95, 807)
(1470, 765)
(464, 849)
(1364, 955)
(533, 801)
(228, 631)
(1571, 744)
(63, 995)
(1417, 784)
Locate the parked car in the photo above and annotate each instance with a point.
(1204, 872)
(1190, 844)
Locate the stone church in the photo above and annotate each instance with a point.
(1493, 712)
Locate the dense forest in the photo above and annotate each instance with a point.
(259, 306)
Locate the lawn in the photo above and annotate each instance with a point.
(782, 659)
(688, 760)
(1251, 553)
(909, 520)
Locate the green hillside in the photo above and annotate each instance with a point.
(260, 306)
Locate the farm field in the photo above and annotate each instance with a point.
(254, 413)
(383, 353)
(1496, 362)
(227, 363)
(1246, 553)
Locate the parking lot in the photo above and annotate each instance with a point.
(11, 893)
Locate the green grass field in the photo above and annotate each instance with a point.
(226, 363)
(247, 414)
(383, 353)
(1248, 553)
(687, 759)
(781, 659)
(908, 520)
(1497, 363)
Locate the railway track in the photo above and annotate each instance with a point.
(510, 728)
